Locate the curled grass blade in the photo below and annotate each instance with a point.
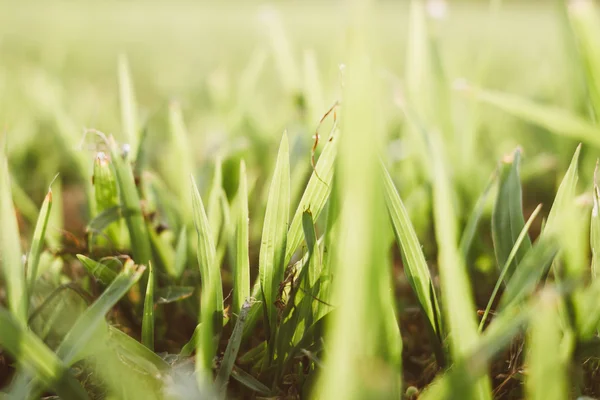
(98, 270)
(507, 217)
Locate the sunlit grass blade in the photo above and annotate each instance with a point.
(130, 202)
(507, 217)
(548, 372)
(507, 264)
(241, 264)
(554, 119)
(211, 298)
(37, 242)
(37, 358)
(214, 213)
(585, 23)
(459, 306)
(274, 237)
(10, 247)
(181, 164)
(74, 343)
(533, 268)
(148, 318)
(98, 270)
(233, 346)
(353, 336)
(129, 117)
(595, 227)
(415, 267)
(315, 195)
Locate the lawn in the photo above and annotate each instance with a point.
(299, 200)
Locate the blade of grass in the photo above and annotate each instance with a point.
(274, 238)
(595, 226)
(37, 242)
(241, 275)
(507, 217)
(211, 297)
(458, 303)
(98, 270)
(10, 247)
(415, 266)
(130, 201)
(547, 370)
(37, 358)
(74, 343)
(148, 318)
(233, 346)
(171, 294)
(553, 119)
(180, 254)
(507, 263)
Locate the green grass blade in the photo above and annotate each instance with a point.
(37, 358)
(148, 318)
(10, 248)
(106, 198)
(23, 202)
(98, 270)
(459, 306)
(507, 217)
(211, 298)
(74, 343)
(507, 264)
(215, 216)
(565, 196)
(274, 236)
(416, 269)
(135, 349)
(315, 195)
(585, 23)
(37, 242)
(249, 381)
(553, 119)
(547, 370)
(534, 266)
(241, 264)
(233, 346)
(130, 202)
(129, 118)
(595, 227)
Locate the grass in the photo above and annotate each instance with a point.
(362, 209)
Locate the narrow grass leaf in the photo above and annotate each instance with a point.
(75, 341)
(507, 217)
(37, 358)
(148, 318)
(548, 372)
(130, 201)
(136, 350)
(315, 195)
(98, 270)
(458, 303)
(507, 264)
(415, 267)
(241, 264)
(274, 235)
(554, 119)
(233, 347)
(10, 248)
(37, 242)
(249, 381)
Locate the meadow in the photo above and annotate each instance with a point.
(321, 200)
